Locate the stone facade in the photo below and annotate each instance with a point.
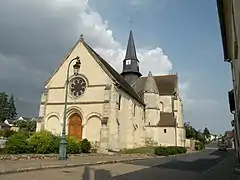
(112, 113)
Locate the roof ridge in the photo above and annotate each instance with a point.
(65, 58)
(161, 75)
(121, 81)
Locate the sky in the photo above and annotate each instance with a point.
(171, 36)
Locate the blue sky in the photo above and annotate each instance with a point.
(189, 33)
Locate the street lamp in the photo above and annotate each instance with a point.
(63, 142)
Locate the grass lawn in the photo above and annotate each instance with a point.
(140, 150)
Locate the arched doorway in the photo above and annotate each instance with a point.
(75, 126)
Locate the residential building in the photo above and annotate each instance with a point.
(229, 18)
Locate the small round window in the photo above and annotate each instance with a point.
(77, 87)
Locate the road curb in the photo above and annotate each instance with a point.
(57, 166)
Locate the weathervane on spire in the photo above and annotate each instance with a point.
(130, 22)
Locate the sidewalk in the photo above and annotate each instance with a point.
(9, 166)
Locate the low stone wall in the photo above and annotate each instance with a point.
(190, 143)
(187, 143)
(15, 157)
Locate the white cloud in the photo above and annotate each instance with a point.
(192, 103)
(97, 32)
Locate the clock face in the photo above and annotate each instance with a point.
(77, 87)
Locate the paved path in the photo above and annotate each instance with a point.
(12, 166)
(207, 165)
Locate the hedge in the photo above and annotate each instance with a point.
(85, 146)
(170, 150)
(43, 143)
(17, 144)
(6, 133)
(199, 146)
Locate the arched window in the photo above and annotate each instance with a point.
(119, 101)
(134, 109)
(161, 106)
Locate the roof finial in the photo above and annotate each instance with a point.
(149, 73)
(81, 38)
(130, 23)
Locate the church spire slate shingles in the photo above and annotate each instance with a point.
(150, 84)
(131, 63)
(131, 50)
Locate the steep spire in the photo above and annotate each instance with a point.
(150, 85)
(131, 63)
(131, 50)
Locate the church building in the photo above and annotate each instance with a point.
(113, 111)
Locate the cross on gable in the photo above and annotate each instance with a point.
(81, 37)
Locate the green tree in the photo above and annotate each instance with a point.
(12, 108)
(206, 132)
(201, 137)
(4, 106)
(31, 126)
(20, 123)
(191, 133)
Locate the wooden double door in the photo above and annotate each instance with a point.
(75, 126)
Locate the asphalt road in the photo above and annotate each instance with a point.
(213, 145)
(210, 164)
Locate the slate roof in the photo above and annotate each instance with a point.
(166, 120)
(24, 118)
(4, 125)
(120, 80)
(150, 84)
(131, 49)
(166, 84)
(10, 121)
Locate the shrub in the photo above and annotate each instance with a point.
(42, 142)
(73, 146)
(199, 146)
(1, 133)
(150, 142)
(170, 150)
(6, 133)
(180, 150)
(56, 140)
(20, 123)
(31, 126)
(17, 144)
(85, 146)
